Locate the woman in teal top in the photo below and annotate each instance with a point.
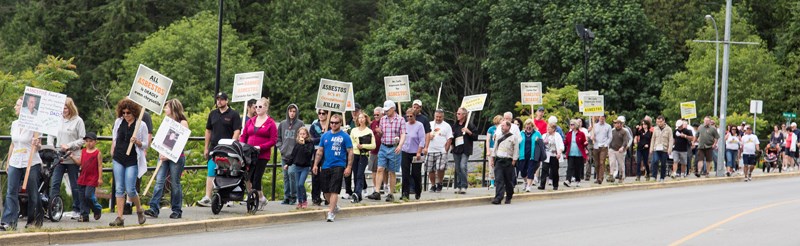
(526, 165)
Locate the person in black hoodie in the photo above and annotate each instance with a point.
(301, 164)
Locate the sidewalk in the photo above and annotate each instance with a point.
(191, 214)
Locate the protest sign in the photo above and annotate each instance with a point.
(582, 94)
(531, 93)
(397, 88)
(593, 106)
(474, 102)
(688, 110)
(150, 89)
(247, 86)
(171, 138)
(42, 111)
(332, 95)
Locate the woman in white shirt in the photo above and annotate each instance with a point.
(732, 146)
(69, 139)
(23, 148)
(554, 146)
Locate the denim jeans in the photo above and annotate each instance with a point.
(659, 157)
(174, 169)
(289, 190)
(300, 174)
(359, 167)
(125, 180)
(731, 159)
(11, 205)
(85, 194)
(72, 176)
(461, 170)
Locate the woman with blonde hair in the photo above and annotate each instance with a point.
(363, 141)
(174, 110)
(526, 165)
(69, 139)
(22, 143)
(262, 133)
(301, 165)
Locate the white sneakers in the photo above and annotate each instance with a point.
(205, 202)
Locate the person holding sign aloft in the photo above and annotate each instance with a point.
(23, 144)
(174, 110)
(262, 133)
(126, 166)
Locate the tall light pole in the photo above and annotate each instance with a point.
(716, 70)
(587, 36)
(219, 52)
(724, 99)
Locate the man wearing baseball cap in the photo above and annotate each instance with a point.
(417, 106)
(393, 128)
(539, 121)
(223, 123)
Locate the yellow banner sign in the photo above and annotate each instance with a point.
(688, 110)
(474, 102)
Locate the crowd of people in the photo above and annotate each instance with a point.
(336, 153)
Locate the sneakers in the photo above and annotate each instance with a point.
(118, 222)
(374, 196)
(150, 212)
(389, 198)
(175, 215)
(205, 202)
(6, 227)
(332, 216)
(566, 183)
(262, 203)
(661, 180)
(142, 219)
(527, 188)
(578, 184)
(304, 204)
(346, 196)
(286, 202)
(317, 202)
(433, 188)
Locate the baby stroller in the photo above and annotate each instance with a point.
(771, 160)
(53, 207)
(234, 163)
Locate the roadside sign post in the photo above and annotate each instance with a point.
(756, 107)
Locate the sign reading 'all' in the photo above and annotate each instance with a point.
(150, 89)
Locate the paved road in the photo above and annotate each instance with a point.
(755, 213)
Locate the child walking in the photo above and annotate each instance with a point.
(301, 165)
(91, 163)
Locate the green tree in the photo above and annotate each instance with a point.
(185, 52)
(754, 75)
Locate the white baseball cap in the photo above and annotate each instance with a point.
(552, 119)
(678, 123)
(417, 102)
(387, 105)
(794, 124)
(621, 118)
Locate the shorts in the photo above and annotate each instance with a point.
(388, 160)
(679, 157)
(749, 159)
(704, 155)
(331, 179)
(436, 162)
(212, 168)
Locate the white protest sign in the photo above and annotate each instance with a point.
(332, 95)
(397, 88)
(351, 101)
(688, 110)
(531, 93)
(247, 86)
(756, 106)
(474, 102)
(42, 111)
(593, 106)
(150, 89)
(582, 94)
(171, 138)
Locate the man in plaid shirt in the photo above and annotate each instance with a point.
(393, 130)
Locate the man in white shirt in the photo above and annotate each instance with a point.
(437, 146)
(749, 148)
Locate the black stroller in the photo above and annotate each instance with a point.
(234, 163)
(53, 207)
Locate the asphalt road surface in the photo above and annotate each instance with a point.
(762, 212)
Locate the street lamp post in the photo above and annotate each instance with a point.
(723, 104)
(587, 36)
(716, 70)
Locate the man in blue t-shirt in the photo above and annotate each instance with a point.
(337, 148)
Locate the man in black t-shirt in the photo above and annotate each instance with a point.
(222, 123)
(683, 141)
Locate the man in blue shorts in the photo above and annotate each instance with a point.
(222, 123)
(333, 145)
(749, 147)
(393, 130)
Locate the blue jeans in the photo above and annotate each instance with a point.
(659, 157)
(72, 175)
(11, 205)
(730, 157)
(299, 175)
(85, 194)
(461, 170)
(125, 180)
(289, 190)
(174, 169)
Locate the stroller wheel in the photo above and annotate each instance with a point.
(252, 202)
(55, 209)
(216, 203)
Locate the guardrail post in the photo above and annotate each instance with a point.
(274, 171)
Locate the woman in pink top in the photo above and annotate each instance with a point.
(262, 133)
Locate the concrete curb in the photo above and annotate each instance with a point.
(212, 225)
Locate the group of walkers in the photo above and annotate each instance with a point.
(337, 153)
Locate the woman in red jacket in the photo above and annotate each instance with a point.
(262, 133)
(575, 145)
